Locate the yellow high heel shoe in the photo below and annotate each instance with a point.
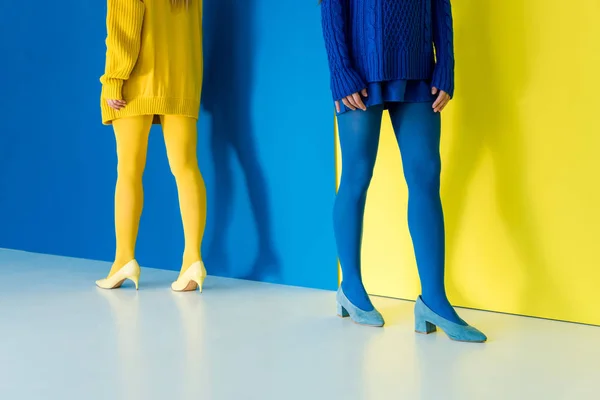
(191, 279)
(130, 271)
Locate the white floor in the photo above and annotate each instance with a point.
(62, 338)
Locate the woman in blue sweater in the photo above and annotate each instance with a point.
(381, 56)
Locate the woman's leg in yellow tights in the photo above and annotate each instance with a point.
(132, 145)
(181, 138)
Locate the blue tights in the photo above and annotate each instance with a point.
(417, 130)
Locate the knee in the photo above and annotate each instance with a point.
(423, 174)
(183, 166)
(130, 169)
(356, 179)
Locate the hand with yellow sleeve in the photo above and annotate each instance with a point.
(124, 27)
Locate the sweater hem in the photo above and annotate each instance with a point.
(398, 65)
(151, 106)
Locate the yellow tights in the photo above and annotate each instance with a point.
(180, 135)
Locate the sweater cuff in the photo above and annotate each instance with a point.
(112, 89)
(443, 79)
(345, 82)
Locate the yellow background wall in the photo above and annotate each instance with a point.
(521, 167)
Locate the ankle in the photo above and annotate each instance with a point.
(357, 295)
(122, 261)
(353, 284)
(189, 260)
(442, 307)
(437, 302)
(119, 263)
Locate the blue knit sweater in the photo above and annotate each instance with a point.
(384, 40)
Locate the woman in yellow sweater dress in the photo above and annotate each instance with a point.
(154, 75)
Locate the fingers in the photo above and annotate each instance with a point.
(113, 105)
(358, 101)
(354, 101)
(434, 90)
(116, 104)
(348, 104)
(445, 103)
(440, 103)
(437, 102)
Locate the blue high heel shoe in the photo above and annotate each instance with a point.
(346, 309)
(426, 322)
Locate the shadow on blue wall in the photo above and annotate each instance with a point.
(228, 83)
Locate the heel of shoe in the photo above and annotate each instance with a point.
(191, 279)
(200, 282)
(136, 280)
(130, 271)
(424, 327)
(341, 311)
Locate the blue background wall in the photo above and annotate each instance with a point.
(265, 149)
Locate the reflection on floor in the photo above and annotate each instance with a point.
(62, 338)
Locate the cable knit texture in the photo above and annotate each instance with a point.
(384, 40)
(153, 58)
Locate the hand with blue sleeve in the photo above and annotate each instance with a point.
(443, 40)
(347, 85)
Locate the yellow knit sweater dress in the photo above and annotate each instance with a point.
(153, 58)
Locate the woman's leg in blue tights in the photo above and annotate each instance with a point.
(417, 130)
(359, 139)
